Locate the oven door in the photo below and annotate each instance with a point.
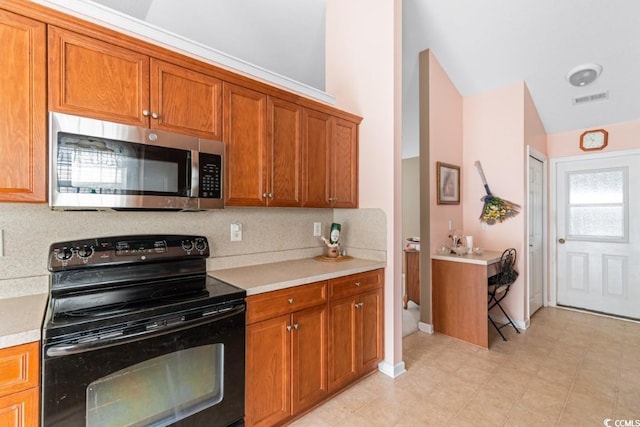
(189, 373)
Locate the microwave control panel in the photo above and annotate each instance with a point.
(210, 176)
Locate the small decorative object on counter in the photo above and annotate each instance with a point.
(334, 235)
(458, 243)
(469, 244)
(333, 242)
(413, 243)
(443, 248)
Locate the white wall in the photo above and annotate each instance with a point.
(363, 73)
(284, 36)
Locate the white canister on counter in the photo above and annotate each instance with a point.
(469, 244)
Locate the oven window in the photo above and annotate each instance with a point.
(158, 391)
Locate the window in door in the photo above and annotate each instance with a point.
(598, 205)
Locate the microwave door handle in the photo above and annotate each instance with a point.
(195, 174)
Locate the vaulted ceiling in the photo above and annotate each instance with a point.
(482, 45)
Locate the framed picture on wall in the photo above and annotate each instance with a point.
(448, 181)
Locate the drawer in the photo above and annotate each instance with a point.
(276, 303)
(355, 284)
(19, 368)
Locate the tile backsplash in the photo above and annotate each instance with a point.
(269, 234)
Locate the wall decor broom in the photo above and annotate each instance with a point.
(495, 209)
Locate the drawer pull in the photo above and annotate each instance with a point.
(290, 300)
(357, 284)
(289, 328)
(296, 326)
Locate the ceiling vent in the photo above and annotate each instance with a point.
(602, 96)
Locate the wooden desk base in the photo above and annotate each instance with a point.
(412, 277)
(459, 301)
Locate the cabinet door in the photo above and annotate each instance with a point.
(19, 368)
(20, 409)
(185, 101)
(309, 356)
(344, 164)
(268, 372)
(23, 141)
(92, 78)
(245, 140)
(284, 158)
(316, 159)
(369, 334)
(342, 361)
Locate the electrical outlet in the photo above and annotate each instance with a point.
(317, 229)
(236, 232)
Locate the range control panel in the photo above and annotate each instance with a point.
(125, 250)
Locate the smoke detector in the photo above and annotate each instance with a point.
(584, 74)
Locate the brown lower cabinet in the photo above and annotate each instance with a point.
(286, 355)
(355, 327)
(306, 342)
(19, 391)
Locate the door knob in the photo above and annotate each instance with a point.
(561, 241)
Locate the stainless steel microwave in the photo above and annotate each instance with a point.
(95, 164)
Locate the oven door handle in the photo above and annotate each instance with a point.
(83, 347)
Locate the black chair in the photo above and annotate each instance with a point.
(499, 285)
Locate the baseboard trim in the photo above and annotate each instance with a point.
(393, 371)
(500, 319)
(425, 327)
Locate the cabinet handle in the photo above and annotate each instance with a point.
(265, 195)
(289, 328)
(146, 113)
(296, 326)
(332, 199)
(271, 195)
(357, 284)
(155, 115)
(290, 300)
(359, 305)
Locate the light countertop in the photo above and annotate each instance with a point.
(261, 278)
(21, 316)
(21, 319)
(486, 258)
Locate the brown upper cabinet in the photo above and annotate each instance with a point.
(284, 162)
(93, 78)
(23, 110)
(262, 137)
(245, 139)
(330, 161)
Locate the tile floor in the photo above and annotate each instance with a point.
(567, 369)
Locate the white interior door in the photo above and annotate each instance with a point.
(598, 245)
(536, 235)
